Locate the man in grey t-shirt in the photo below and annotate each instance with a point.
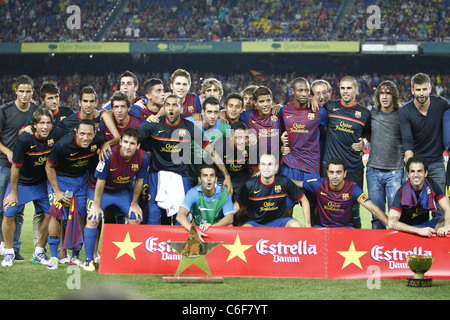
(12, 117)
(384, 172)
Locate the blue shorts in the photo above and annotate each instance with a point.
(430, 223)
(79, 187)
(299, 175)
(121, 199)
(36, 193)
(281, 222)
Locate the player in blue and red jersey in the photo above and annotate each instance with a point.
(336, 196)
(180, 84)
(152, 102)
(303, 127)
(29, 182)
(67, 167)
(261, 122)
(119, 182)
(170, 144)
(264, 197)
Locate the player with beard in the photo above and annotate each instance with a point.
(336, 197)
(422, 128)
(170, 141)
(29, 181)
(348, 122)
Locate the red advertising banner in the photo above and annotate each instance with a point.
(273, 252)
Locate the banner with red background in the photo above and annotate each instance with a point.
(274, 252)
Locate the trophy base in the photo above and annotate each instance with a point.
(419, 283)
(193, 279)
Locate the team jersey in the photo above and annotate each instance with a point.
(303, 128)
(268, 202)
(415, 214)
(70, 123)
(216, 136)
(208, 209)
(119, 174)
(267, 130)
(171, 145)
(335, 207)
(345, 126)
(132, 123)
(140, 113)
(191, 105)
(30, 154)
(63, 112)
(238, 162)
(71, 160)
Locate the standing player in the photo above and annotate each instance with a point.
(87, 103)
(261, 122)
(234, 105)
(154, 98)
(348, 122)
(180, 84)
(422, 129)
(384, 172)
(29, 182)
(303, 127)
(170, 141)
(209, 203)
(129, 85)
(336, 197)
(212, 87)
(445, 122)
(264, 197)
(67, 168)
(214, 130)
(410, 210)
(12, 117)
(119, 182)
(247, 96)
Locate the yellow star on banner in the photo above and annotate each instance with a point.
(352, 256)
(237, 249)
(126, 247)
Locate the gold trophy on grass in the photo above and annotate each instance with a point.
(419, 264)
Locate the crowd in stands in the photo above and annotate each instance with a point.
(107, 84)
(226, 20)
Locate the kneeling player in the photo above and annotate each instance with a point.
(115, 180)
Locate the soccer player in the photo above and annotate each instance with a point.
(348, 122)
(170, 141)
(29, 182)
(212, 87)
(234, 105)
(12, 117)
(422, 128)
(87, 103)
(247, 96)
(336, 196)
(180, 84)
(129, 85)
(119, 182)
(214, 130)
(303, 127)
(154, 99)
(446, 120)
(67, 167)
(410, 210)
(261, 122)
(384, 172)
(264, 197)
(209, 203)
(50, 99)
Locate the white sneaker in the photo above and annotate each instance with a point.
(52, 263)
(40, 258)
(65, 260)
(76, 261)
(2, 249)
(8, 260)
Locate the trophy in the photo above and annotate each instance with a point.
(193, 252)
(419, 264)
